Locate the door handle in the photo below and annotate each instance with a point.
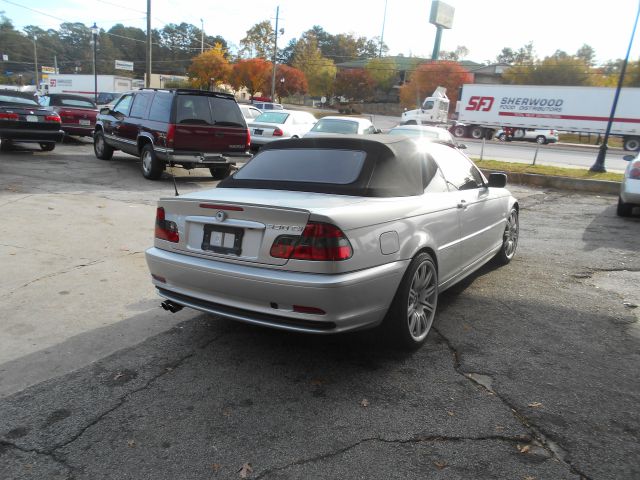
(462, 204)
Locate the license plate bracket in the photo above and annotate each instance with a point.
(85, 123)
(258, 131)
(221, 239)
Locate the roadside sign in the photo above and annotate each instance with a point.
(48, 69)
(5, 57)
(124, 65)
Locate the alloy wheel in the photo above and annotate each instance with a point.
(510, 240)
(422, 301)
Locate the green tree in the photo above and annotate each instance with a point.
(558, 69)
(384, 72)
(258, 42)
(458, 54)
(587, 54)
(319, 71)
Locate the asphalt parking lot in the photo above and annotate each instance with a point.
(530, 373)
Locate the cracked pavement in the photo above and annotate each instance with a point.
(530, 372)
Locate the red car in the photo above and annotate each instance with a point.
(78, 113)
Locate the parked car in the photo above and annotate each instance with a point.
(630, 187)
(191, 128)
(78, 114)
(108, 98)
(267, 106)
(531, 135)
(279, 125)
(333, 125)
(425, 131)
(22, 119)
(331, 234)
(250, 113)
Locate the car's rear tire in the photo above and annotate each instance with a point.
(460, 131)
(47, 146)
(624, 209)
(100, 147)
(5, 145)
(151, 166)
(218, 173)
(509, 238)
(413, 309)
(541, 140)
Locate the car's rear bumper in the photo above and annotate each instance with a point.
(204, 159)
(74, 129)
(24, 135)
(265, 296)
(630, 191)
(258, 140)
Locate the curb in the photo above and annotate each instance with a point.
(561, 183)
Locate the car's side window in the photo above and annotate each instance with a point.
(161, 107)
(457, 169)
(141, 105)
(123, 105)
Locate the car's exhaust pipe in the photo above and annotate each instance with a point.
(172, 307)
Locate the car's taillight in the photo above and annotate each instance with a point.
(635, 171)
(319, 241)
(171, 135)
(248, 144)
(277, 132)
(9, 116)
(52, 117)
(166, 229)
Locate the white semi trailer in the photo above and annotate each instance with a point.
(85, 84)
(484, 109)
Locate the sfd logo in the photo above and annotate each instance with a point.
(52, 82)
(478, 104)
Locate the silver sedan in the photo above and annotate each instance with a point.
(280, 124)
(327, 235)
(630, 187)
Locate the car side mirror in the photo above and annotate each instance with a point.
(629, 158)
(497, 180)
(461, 146)
(105, 111)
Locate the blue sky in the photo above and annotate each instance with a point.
(483, 27)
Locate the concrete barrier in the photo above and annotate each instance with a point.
(561, 183)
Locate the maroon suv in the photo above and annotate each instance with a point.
(191, 128)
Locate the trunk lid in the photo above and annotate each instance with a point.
(28, 118)
(84, 117)
(210, 138)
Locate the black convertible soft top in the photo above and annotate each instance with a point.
(392, 166)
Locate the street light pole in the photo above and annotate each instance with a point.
(94, 36)
(201, 36)
(275, 56)
(35, 59)
(598, 166)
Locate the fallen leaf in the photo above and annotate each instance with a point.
(245, 470)
(364, 403)
(440, 464)
(499, 428)
(524, 448)
(466, 327)
(535, 404)
(118, 375)
(318, 381)
(131, 443)
(450, 413)
(529, 477)
(227, 412)
(215, 467)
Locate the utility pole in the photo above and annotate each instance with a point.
(384, 20)
(202, 36)
(147, 82)
(35, 60)
(55, 64)
(94, 36)
(275, 53)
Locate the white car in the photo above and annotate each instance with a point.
(279, 125)
(249, 113)
(424, 131)
(332, 234)
(539, 136)
(630, 187)
(336, 125)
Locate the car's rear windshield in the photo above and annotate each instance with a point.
(336, 126)
(75, 102)
(208, 110)
(17, 100)
(272, 117)
(337, 167)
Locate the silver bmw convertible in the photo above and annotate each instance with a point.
(327, 235)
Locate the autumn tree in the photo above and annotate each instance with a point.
(355, 84)
(524, 54)
(258, 42)
(209, 67)
(289, 81)
(424, 80)
(384, 72)
(252, 74)
(319, 71)
(458, 54)
(558, 69)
